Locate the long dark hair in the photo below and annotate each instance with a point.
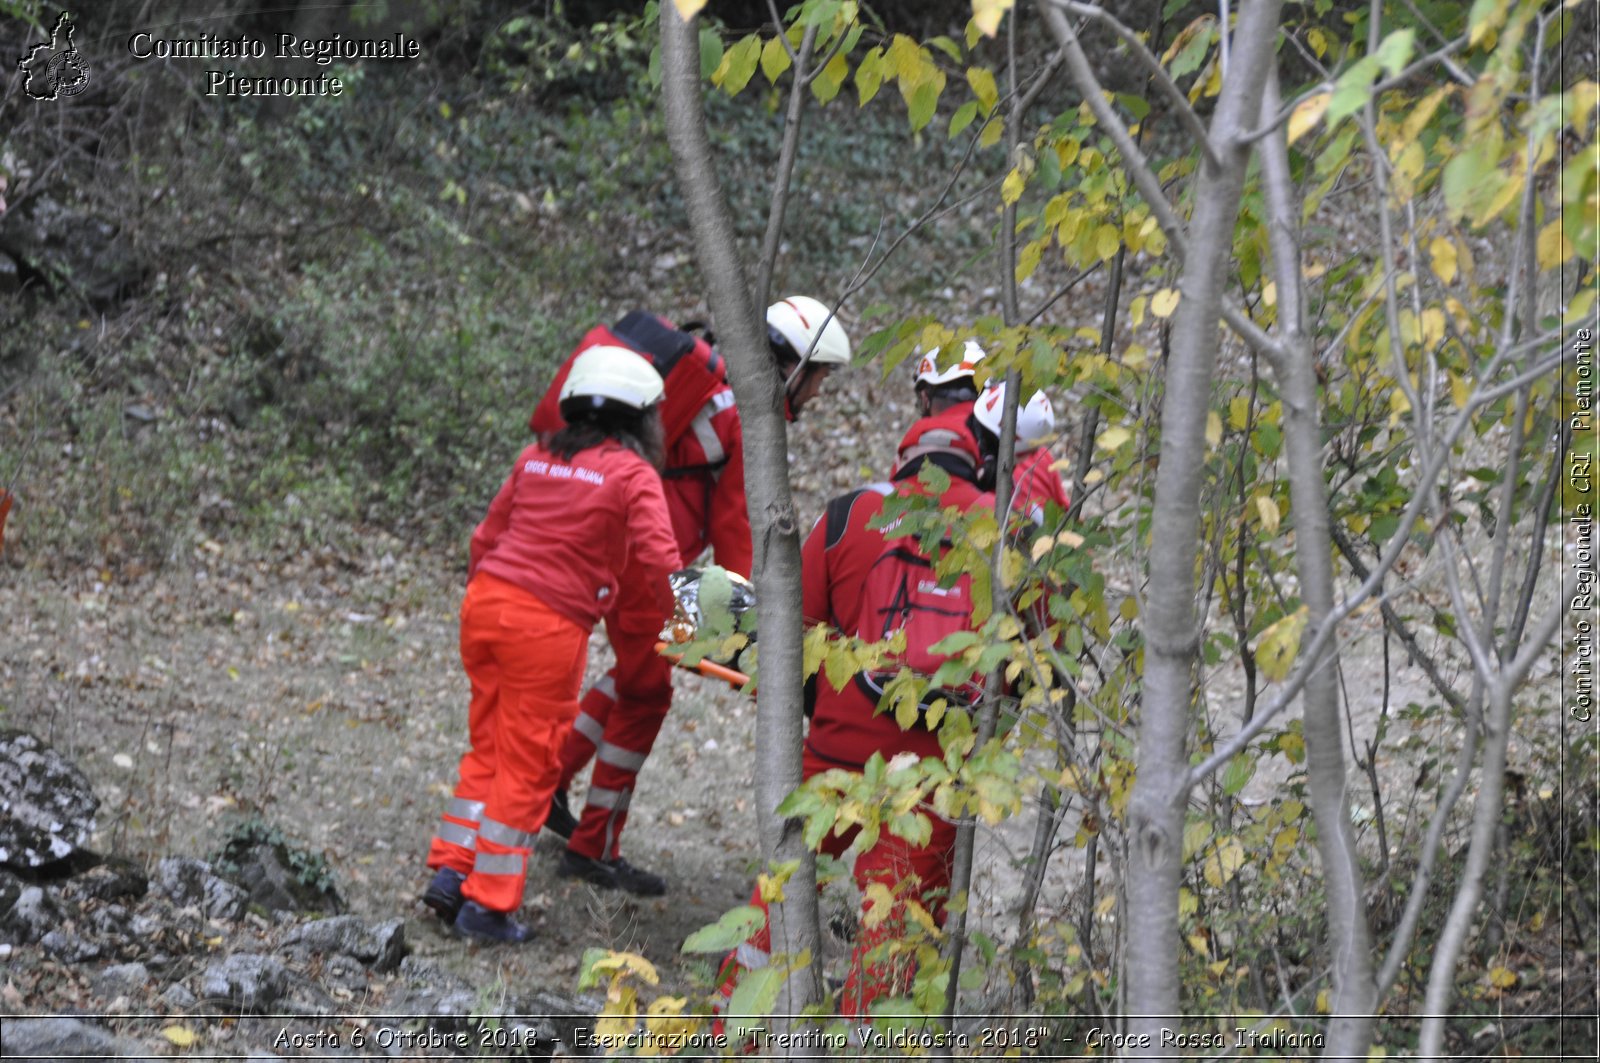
(589, 426)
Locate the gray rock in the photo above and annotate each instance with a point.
(27, 913)
(116, 879)
(192, 884)
(246, 981)
(46, 805)
(68, 946)
(64, 1038)
(177, 994)
(121, 978)
(380, 947)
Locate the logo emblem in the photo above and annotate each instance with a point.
(55, 70)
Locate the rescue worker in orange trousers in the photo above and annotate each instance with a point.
(838, 559)
(622, 713)
(581, 507)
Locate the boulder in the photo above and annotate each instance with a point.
(65, 1038)
(380, 947)
(27, 913)
(191, 883)
(46, 805)
(266, 872)
(245, 981)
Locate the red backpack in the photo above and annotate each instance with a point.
(903, 593)
(691, 370)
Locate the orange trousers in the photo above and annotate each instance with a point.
(525, 663)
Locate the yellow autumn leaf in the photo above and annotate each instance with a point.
(1268, 511)
(1113, 439)
(1502, 978)
(1443, 252)
(1224, 862)
(1213, 428)
(688, 9)
(1553, 247)
(1306, 114)
(1011, 187)
(1276, 649)
(1269, 294)
(1164, 302)
(1201, 946)
(1136, 310)
(986, 15)
(181, 1036)
(628, 963)
(1399, 406)
(876, 905)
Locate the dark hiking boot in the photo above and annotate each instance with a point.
(615, 874)
(477, 923)
(560, 822)
(443, 894)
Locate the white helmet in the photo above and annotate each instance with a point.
(798, 319)
(615, 373)
(929, 373)
(1036, 418)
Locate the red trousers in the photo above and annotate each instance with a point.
(909, 871)
(525, 663)
(617, 725)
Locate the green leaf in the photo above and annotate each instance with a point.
(963, 117)
(1239, 772)
(775, 58)
(753, 1000)
(924, 101)
(831, 78)
(738, 65)
(1396, 49)
(730, 931)
(710, 51)
(947, 46)
(1351, 91)
(869, 75)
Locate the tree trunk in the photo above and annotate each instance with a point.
(759, 391)
(1171, 629)
(1349, 942)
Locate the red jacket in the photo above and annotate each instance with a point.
(845, 727)
(1037, 485)
(566, 531)
(704, 481)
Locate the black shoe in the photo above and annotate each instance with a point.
(615, 874)
(560, 822)
(443, 894)
(477, 923)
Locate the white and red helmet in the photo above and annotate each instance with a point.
(616, 374)
(807, 325)
(929, 374)
(1036, 418)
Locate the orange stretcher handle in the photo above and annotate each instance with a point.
(731, 676)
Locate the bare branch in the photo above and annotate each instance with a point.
(1158, 73)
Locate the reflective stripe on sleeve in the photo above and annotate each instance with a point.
(499, 863)
(618, 757)
(706, 436)
(456, 834)
(607, 685)
(461, 808)
(602, 798)
(491, 831)
(588, 726)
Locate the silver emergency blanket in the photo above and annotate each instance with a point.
(687, 618)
